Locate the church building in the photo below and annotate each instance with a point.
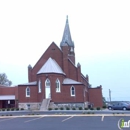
(55, 80)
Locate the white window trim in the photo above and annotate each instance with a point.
(71, 91)
(39, 86)
(59, 90)
(27, 92)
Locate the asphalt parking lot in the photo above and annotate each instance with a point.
(63, 122)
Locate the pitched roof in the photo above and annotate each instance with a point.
(51, 66)
(31, 83)
(3, 86)
(66, 39)
(70, 81)
(7, 97)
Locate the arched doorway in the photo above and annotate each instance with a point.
(47, 89)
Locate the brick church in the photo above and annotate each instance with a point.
(54, 80)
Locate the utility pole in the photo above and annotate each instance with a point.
(110, 95)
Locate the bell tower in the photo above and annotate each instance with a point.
(67, 40)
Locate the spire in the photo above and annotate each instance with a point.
(66, 35)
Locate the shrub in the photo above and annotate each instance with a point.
(88, 113)
(10, 114)
(17, 109)
(73, 108)
(3, 109)
(56, 108)
(91, 108)
(98, 108)
(12, 109)
(67, 108)
(8, 109)
(104, 106)
(85, 108)
(61, 108)
(49, 109)
(80, 108)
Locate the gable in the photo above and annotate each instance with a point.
(52, 51)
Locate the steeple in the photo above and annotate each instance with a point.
(67, 45)
(66, 39)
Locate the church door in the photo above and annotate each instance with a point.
(47, 89)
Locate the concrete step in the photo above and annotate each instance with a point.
(45, 104)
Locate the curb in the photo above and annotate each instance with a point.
(61, 115)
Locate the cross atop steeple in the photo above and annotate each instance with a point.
(66, 39)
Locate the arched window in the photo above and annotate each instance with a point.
(39, 86)
(57, 85)
(47, 83)
(72, 91)
(27, 92)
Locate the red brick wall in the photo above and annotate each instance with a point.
(52, 78)
(22, 94)
(29, 74)
(72, 58)
(65, 60)
(95, 96)
(54, 52)
(8, 91)
(65, 95)
(79, 73)
(72, 71)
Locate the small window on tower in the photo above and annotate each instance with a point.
(72, 91)
(39, 86)
(57, 85)
(47, 83)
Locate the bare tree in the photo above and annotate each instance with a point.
(4, 80)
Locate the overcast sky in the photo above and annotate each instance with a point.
(100, 30)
